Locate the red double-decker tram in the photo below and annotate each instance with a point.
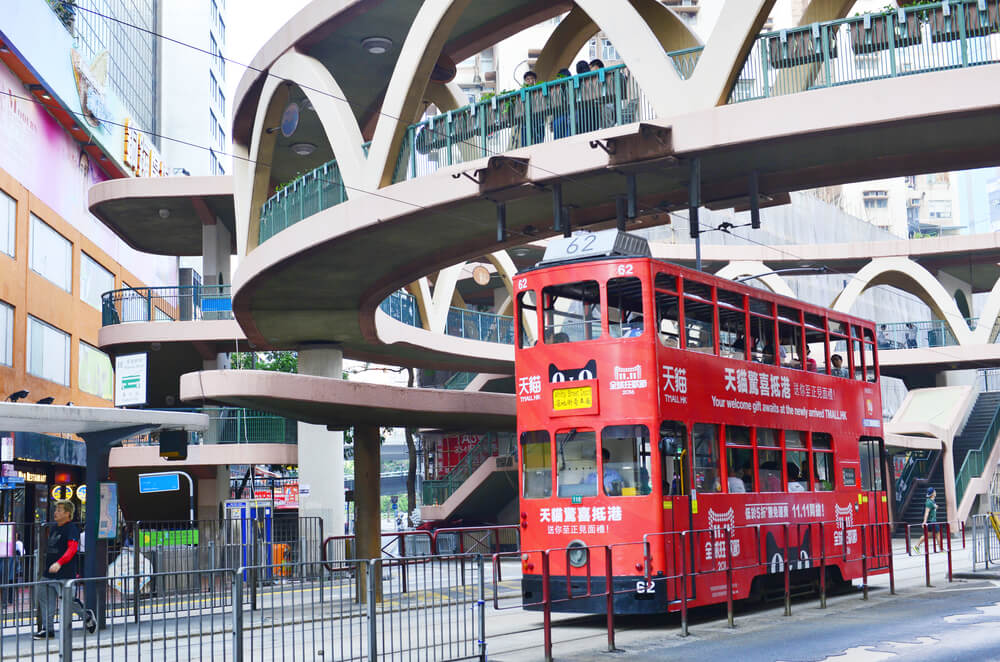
(654, 400)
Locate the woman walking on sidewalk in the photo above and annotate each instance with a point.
(930, 518)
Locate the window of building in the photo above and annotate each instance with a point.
(51, 254)
(222, 31)
(213, 85)
(222, 141)
(625, 319)
(572, 312)
(222, 103)
(95, 375)
(705, 439)
(8, 224)
(213, 162)
(608, 52)
(95, 280)
(48, 352)
(625, 460)
(576, 460)
(213, 126)
(536, 464)
(6, 334)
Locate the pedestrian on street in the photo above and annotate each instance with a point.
(930, 519)
(61, 565)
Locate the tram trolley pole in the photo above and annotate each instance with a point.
(729, 579)
(947, 532)
(788, 582)
(927, 556)
(684, 584)
(822, 567)
(610, 586)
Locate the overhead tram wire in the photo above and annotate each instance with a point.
(380, 112)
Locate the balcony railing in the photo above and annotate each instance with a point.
(894, 43)
(913, 335)
(166, 304)
(461, 323)
(234, 425)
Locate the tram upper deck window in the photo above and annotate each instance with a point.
(572, 312)
(576, 461)
(839, 349)
(869, 355)
(699, 317)
(705, 440)
(790, 338)
(625, 318)
(536, 464)
(527, 313)
(762, 347)
(625, 460)
(667, 319)
(816, 354)
(732, 324)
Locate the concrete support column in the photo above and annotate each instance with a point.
(367, 502)
(216, 242)
(321, 452)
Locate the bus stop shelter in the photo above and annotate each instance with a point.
(101, 428)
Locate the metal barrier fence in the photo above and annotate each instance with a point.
(166, 304)
(357, 610)
(985, 541)
(936, 534)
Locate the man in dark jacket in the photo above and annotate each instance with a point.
(61, 565)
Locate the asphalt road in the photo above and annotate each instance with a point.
(949, 622)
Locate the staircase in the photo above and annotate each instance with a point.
(914, 513)
(975, 430)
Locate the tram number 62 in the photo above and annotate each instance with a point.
(644, 588)
(626, 269)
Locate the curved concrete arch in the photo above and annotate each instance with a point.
(421, 49)
(718, 67)
(764, 274)
(988, 317)
(254, 188)
(907, 275)
(574, 31)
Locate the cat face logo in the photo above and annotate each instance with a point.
(588, 371)
(798, 555)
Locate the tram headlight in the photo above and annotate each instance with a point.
(577, 554)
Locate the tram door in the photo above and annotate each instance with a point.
(874, 499)
(675, 473)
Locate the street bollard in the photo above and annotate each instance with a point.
(864, 562)
(729, 580)
(947, 532)
(927, 556)
(909, 547)
(892, 565)
(788, 584)
(610, 586)
(547, 606)
(684, 585)
(822, 568)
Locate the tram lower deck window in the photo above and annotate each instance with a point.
(536, 464)
(576, 459)
(625, 460)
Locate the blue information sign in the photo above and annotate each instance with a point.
(165, 482)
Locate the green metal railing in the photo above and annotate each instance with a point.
(492, 445)
(459, 381)
(903, 42)
(904, 484)
(975, 461)
(461, 323)
(166, 304)
(234, 425)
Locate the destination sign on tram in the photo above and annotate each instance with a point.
(581, 397)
